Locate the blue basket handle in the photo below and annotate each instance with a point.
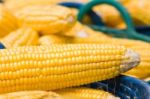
(96, 19)
(129, 32)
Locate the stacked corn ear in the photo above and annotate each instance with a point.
(42, 67)
(109, 15)
(55, 39)
(8, 22)
(21, 37)
(46, 19)
(139, 12)
(30, 95)
(85, 93)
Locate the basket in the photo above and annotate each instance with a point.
(124, 87)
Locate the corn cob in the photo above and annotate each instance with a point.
(20, 37)
(46, 19)
(30, 95)
(84, 93)
(139, 12)
(109, 15)
(42, 67)
(54, 39)
(8, 22)
(141, 47)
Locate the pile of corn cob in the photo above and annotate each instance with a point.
(47, 50)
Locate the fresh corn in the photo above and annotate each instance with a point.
(139, 46)
(30, 95)
(46, 19)
(8, 22)
(85, 93)
(55, 39)
(139, 11)
(109, 15)
(20, 37)
(42, 67)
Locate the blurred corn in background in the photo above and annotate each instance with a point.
(85, 93)
(46, 19)
(8, 22)
(31, 95)
(21, 37)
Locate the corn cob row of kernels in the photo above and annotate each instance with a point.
(46, 19)
(8, 22)
(84, 93)
(20, 37)
(30, 95)
(41, 68)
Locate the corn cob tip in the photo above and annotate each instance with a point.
(133, 61)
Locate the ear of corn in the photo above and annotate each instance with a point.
(109, 15)
(8, 22)
(54, 39)
(139, 46)
(30, 95)
(85, 93)
(41, 68)
(139, 11)
(20, 37)
(46, 19)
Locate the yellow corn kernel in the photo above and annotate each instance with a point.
(48, 19)
(30, 95)
(20, 37)
(85, 93)
(54, 39)
(8, 22)
(42, 67)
